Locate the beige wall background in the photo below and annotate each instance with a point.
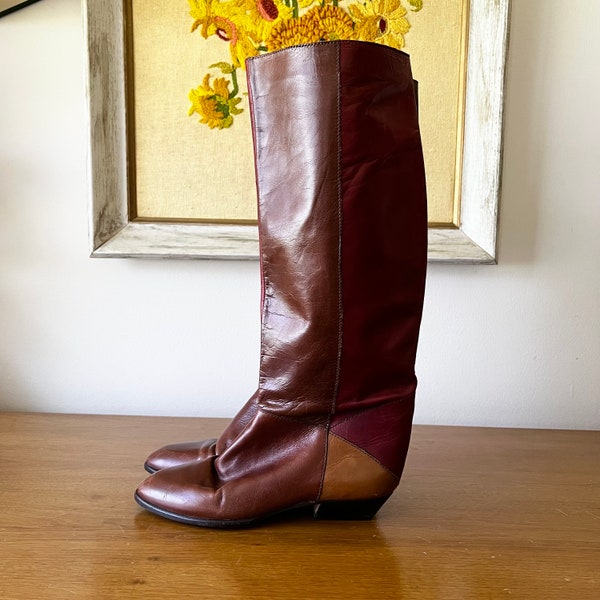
(184, 170)
(515, 344)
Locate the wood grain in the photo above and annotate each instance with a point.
(480, 513)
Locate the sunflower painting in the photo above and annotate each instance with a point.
(252, 27)
(190, 118)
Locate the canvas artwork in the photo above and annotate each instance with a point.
(188, 97)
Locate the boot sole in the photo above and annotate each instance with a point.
(342, 510)
(150, 470)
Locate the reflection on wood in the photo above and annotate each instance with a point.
(480, 513)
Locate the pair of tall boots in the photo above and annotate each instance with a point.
(343, 253)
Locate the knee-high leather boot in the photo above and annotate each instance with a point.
(343, 243)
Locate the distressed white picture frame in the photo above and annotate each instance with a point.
(113, 234)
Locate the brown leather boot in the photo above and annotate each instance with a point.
(343, 243)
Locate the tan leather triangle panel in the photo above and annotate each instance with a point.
(351, 474)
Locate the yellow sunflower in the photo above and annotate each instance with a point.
(382, 21)
(334, 21)
(206, 14)
(241, 45)
(213, 104)
(294, 31)
(260, 16)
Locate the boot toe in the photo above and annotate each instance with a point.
(175, 455)
(177, 492)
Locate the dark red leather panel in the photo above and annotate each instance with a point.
(382, 431)
(384, 226)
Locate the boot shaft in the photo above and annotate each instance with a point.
(343, 227)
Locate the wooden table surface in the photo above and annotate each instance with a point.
(480, 514)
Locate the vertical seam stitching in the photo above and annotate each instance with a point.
(339, 236)
(339, 265)
(264, 262)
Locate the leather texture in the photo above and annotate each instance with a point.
(174, 455)
(343, 248)
(347, 465)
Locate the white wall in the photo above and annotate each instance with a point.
(515, 344)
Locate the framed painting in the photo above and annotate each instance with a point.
(164, 185)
